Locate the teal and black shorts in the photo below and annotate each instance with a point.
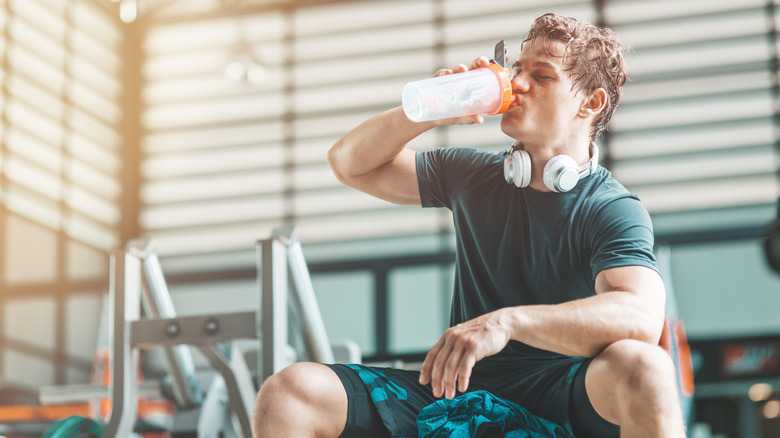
(384, 402)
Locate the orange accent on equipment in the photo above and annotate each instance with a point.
(673, 338)
(42, 412)
(686, 361)
(506, 88)
(145, 408)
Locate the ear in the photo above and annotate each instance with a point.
(593, 103)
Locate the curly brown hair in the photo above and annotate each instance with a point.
(593, 58)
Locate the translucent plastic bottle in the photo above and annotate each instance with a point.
(486, 90)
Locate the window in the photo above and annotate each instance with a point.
(60, 145)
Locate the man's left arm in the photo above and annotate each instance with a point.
(629, 304)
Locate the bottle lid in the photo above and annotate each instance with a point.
(506, 87)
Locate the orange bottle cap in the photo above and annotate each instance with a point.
(506, 88)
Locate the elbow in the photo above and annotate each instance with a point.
(656, 320)
(644, 325)
(649, 327)
(650, 335)
(648, 317)
(646, 332)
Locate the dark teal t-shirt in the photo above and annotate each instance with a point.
(520, 246)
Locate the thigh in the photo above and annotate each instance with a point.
(541, 385)
(552, 388)
(363, 419)
(394, 396)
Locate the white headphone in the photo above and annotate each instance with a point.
(561, 173)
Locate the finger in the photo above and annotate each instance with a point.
(475, 118)
(442, 72)
(460, 68)
(451, 372)
(480, 62)
(425, 371)
(464, 120)
(464, 373)
(437, 372)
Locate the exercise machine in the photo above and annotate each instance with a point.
(225, 407)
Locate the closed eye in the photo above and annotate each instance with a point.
(535, 75)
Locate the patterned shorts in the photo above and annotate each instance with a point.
(384, 402)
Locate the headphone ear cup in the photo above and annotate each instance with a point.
(517, 168)
(561, 173)
(525, 165)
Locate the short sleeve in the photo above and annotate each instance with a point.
(622, 236)
(441, 171)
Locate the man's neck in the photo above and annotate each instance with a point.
(541, 154)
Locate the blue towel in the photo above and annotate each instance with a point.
(480, 414)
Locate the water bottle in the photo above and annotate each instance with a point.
(486, 90)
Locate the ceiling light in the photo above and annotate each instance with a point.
(128, 11)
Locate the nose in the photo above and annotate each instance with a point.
(520, 83)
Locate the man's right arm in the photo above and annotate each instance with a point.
(373, 157)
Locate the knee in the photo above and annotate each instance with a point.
(297, 387)
(278, 396)
(303, 399)
(288, 384)
(638, 366)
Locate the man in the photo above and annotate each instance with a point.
(557, 307)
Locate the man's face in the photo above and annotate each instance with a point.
(546, 108)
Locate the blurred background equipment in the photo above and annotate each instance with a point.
(772, 242)
(122, 403)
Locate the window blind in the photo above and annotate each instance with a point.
(61, 110)
(696, 130)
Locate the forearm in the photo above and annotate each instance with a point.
(629, 304)
(585, 327)
(373, 143)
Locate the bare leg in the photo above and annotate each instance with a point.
(632, 383)
(304, 400)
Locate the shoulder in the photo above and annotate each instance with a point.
(617, 229)
(460, 156)
(607, 196)
(610, 211)
(456, 163)
(443, 172)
